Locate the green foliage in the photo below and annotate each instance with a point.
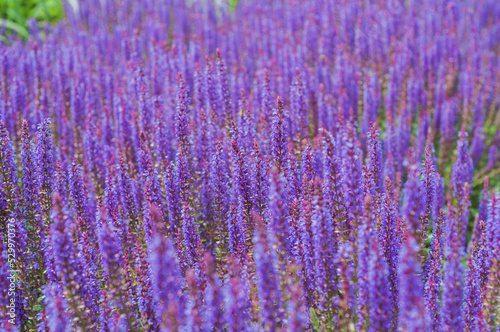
(314, 319)
(232, 4)
(14, 14)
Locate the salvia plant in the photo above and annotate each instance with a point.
(278, 166)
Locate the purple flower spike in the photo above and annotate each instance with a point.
(214, 316)
(191, 241)
(67, 265)
(260, 174)
(352, 173)
(325, 248)
(300, 112)
(29, 179)
(381, 312)
(240, 177)
(45, 162)
(8, 174)
(374, 163)
(461, 180)
(166, 282)
(390, 239)
(237, 301)
(332, 185)
(364, 233)
(57, 309)
(278, 213)
(267, 273)
(236, 230)
(113, 262)
(223, 87)
(472, 298)
(452, 292)
(433, 277)
(411, 305)
(279, 144)
(429, 187)
(219, 182)
(182, 116)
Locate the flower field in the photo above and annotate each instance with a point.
(278, 165)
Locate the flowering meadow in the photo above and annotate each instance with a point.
(284, 165)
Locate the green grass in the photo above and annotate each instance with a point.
(14, 15)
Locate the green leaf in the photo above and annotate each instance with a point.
(232, 4)
(314, 319)
(19, 29)
(15, 15)
(47, 10)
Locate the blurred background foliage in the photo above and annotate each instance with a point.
(14, 15)
(233, 3)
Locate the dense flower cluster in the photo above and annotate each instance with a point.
(286, 165)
